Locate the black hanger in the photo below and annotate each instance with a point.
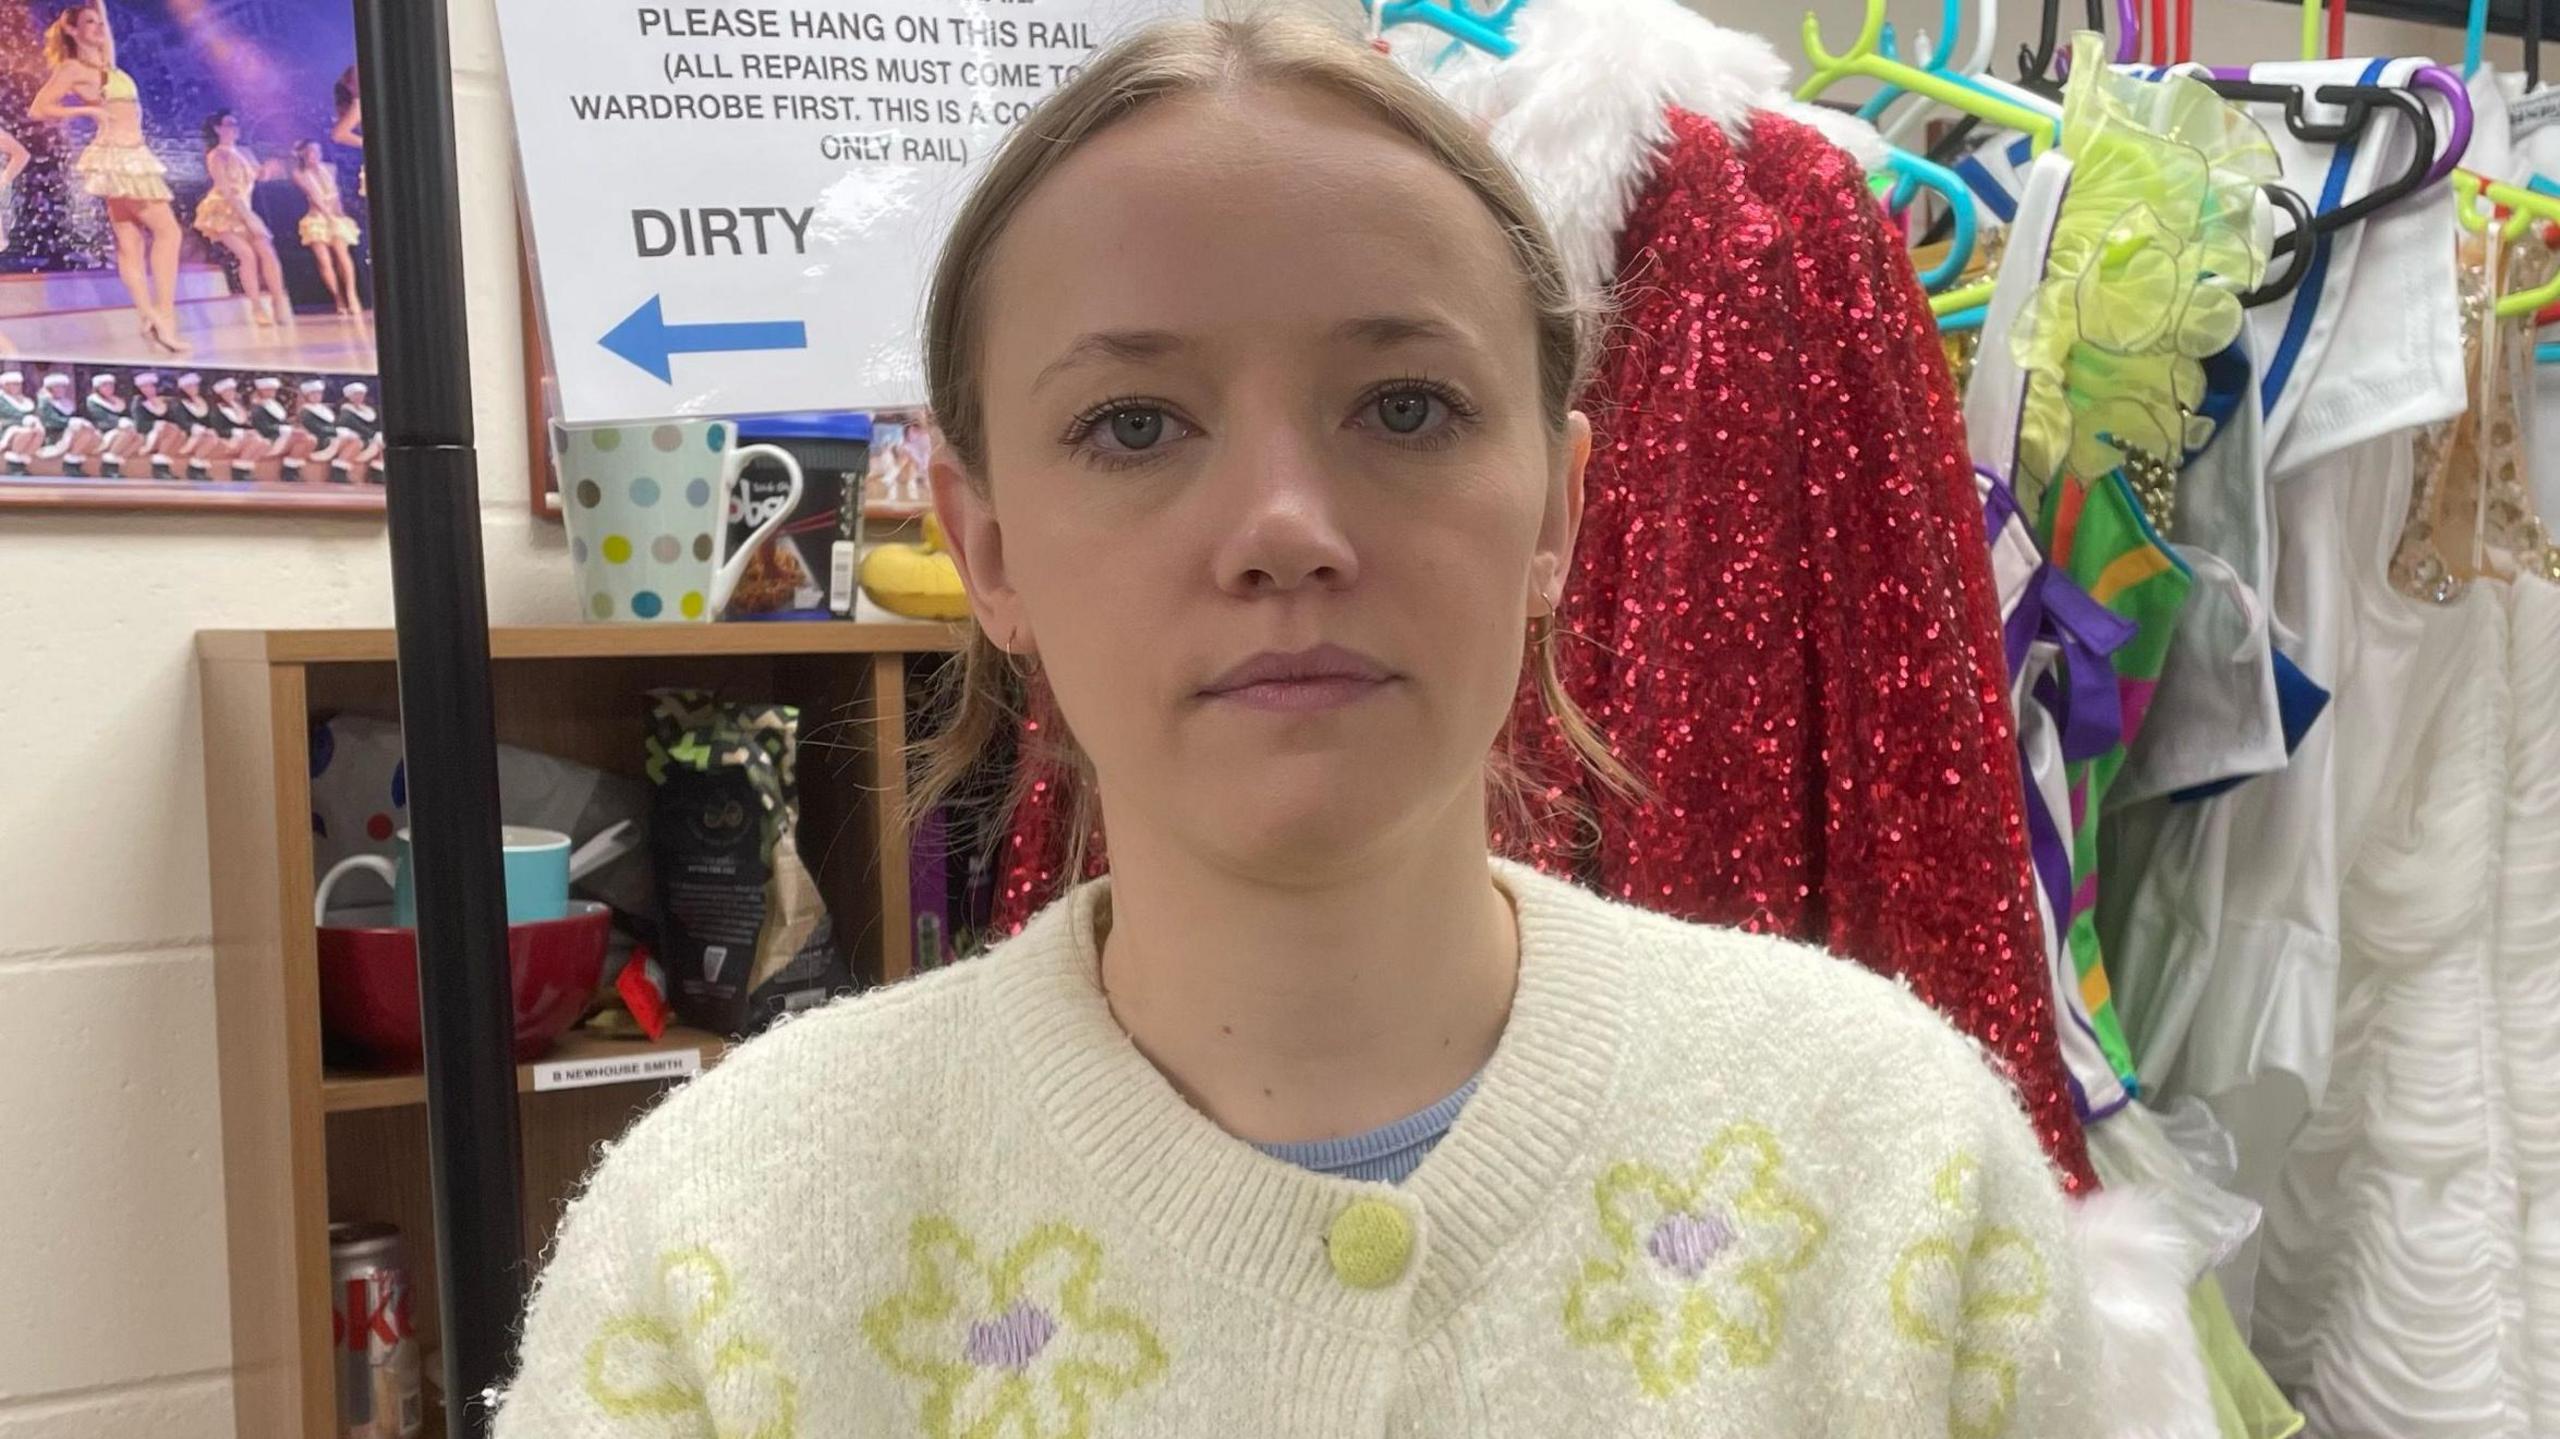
(2035, 65)
(2361, 103)
(2532, 45)
(1956, 142)
(2277, 287)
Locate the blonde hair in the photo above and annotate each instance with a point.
(986, 695)
(58, 43)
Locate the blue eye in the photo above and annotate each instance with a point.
(1136, 429)
(1416, 412)
(1125, 432)
(1405, 411)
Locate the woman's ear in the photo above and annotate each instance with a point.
(1562, 522)
(969, 526)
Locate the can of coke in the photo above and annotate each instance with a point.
(379, 1396)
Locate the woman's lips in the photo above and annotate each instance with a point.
(1300, 682)
(1304, 696)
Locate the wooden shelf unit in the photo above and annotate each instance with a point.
(304, 1143)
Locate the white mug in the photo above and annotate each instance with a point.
(648, 509)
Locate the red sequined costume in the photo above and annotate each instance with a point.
(1782, 608)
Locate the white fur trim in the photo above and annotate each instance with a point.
(1580, 110)
(1844, 130)
(2139, 1265)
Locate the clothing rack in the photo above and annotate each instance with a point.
(440, 603)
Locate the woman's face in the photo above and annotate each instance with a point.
(226, 129)
(1261, 377)
(88, 26)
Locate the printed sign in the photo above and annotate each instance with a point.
(734, 208)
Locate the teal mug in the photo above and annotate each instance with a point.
(648, 508)
(537, 862)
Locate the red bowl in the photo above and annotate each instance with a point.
(369, 980)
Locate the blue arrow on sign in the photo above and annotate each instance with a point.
(647, 340)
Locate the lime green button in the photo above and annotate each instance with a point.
(1371, 1243)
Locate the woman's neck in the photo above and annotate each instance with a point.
(1317, 1005)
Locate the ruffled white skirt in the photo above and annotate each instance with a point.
(2410, 1283)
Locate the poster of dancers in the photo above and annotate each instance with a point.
(185, 269)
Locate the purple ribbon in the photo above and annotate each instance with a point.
(2091, 711)
(2090, 714)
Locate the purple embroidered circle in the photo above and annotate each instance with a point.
(1012, 1339)
(1686, 1243)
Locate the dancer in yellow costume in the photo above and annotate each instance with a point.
(327, 230)
(118, 167)
(228, 216)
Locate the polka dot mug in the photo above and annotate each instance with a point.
(649, 509)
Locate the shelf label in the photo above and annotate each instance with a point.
(617, 1069)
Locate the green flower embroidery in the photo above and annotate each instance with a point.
(638, 1370)
(1019, 1348)
(1692, 1262)
(1975, 1299)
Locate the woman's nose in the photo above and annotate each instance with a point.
(1285, 528)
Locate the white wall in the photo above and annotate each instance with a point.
(113, 1297)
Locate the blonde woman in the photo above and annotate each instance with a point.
(228, 216)
(118, 167)
(327, 230)
(1256, 373)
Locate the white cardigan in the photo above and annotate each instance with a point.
(1711, 1184)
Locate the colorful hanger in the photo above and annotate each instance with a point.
(2475, 29)
(1489, 33)
(1940, 50)
(2457, 99)
(1913, 172)
(1861, 59)
(2172, 44)
(1957, 301)
(1974, 66)
(2311, 13)
(2522, 207)
(2361, 103)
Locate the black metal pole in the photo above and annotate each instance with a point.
(447, 725)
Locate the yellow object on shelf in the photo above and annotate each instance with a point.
(921, 582)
